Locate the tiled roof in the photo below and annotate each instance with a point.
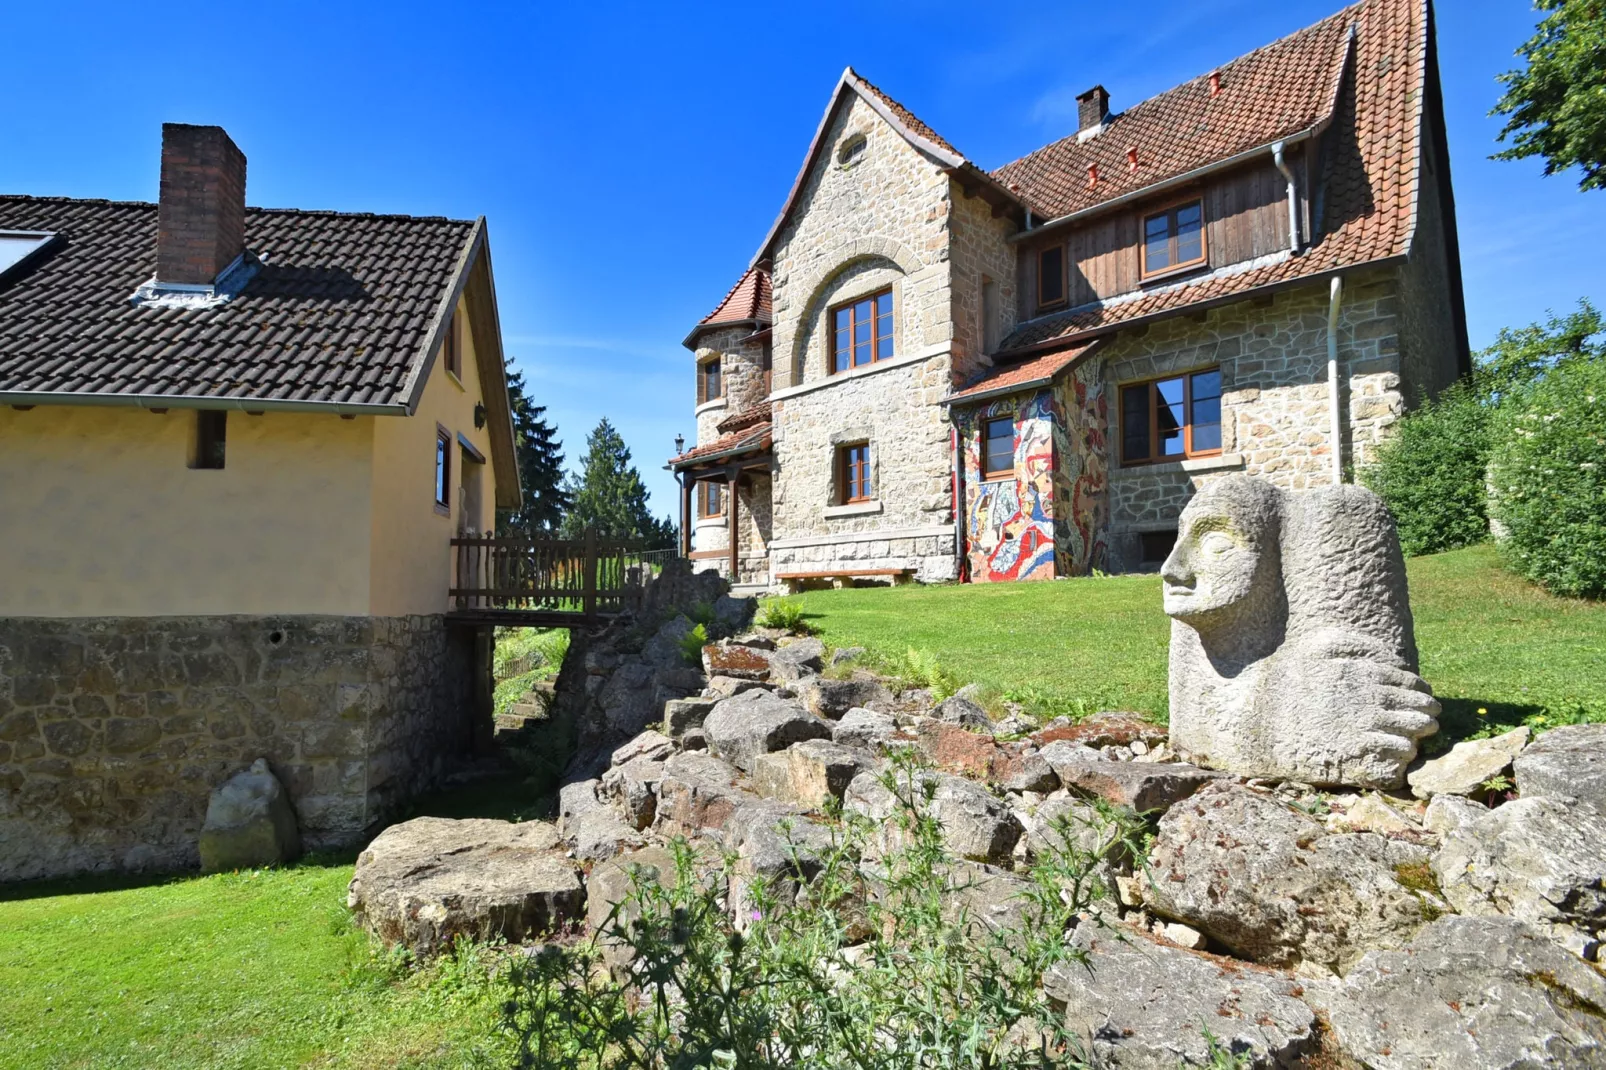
(1273, 92)
(1371, 170)
(907, 117)
(748, 417)
(757, 436)
(1031, 372)
(340, 312)
(746, 302)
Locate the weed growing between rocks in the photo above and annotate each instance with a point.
(785, 614)
(862, 952)
(691, 645)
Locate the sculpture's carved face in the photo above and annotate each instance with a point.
(1224, 563)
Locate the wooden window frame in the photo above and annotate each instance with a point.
(1044, 301)
(702, 379)
(845, 483)
(1171, 209)
(452, 349)
(875, 336)
(989, 475)
(443, 470)
(704, 487)
(1188, 452)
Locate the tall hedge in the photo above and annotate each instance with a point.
(1548, 478)
(1431, 473)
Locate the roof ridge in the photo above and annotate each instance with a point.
(887, 99)
(250, 208)
(1349, 10)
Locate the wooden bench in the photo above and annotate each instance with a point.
(844, 577)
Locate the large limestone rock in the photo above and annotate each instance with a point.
(249, 823)
(860, 727)
(698, 791)
(1273, 885)
(1140, 786)
(1292, 650)
(1536, 859)
(1567, 764)
(808, 773)
(1469, 763)
(1145, 1005)
(1469, 994)
(798, 659)
(742, 728)
(834, 698)
(426, 881)
(976, 824)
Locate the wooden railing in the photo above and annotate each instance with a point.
(584, 578)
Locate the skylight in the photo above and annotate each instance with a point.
(18, 245)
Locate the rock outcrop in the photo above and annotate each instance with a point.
(249, 823)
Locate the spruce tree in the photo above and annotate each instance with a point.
(608, 494)
(540, 459)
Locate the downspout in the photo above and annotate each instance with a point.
(1293, 196)
(1335, 296)
(958, 487)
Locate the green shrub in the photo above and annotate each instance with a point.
(784, 614)
(692, 643)
(1431, 473)
(874, 965)
(1548, 479)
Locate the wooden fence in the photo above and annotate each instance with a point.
(584, 579)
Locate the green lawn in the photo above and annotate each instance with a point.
(1489, 640)
(265, 969)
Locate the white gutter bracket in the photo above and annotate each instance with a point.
(1293, 195)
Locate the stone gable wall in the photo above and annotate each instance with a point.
(1429, 356)
(978, 248)
(115, 731)
(1273, 362)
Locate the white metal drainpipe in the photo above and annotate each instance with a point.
(1293, 197)
(1335, 296)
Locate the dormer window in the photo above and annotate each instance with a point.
(1051, 276)
(709, 385)
(1174, 239)
(18, 245)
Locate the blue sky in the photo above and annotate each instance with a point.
(631, 157)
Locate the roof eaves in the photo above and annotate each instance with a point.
(424, 360)
(966, 398)
(1418, 106)
(108, 399)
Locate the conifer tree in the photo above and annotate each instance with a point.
(608, 494)
(540, 460)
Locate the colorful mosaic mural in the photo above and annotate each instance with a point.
(1081, 472)
(1049, 518)
(1010, 522)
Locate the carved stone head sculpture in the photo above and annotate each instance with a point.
(1292, 652)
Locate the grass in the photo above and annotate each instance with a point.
(1489, 640)
(548, 645)
(250, 969)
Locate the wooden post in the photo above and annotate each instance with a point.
(735, 523)
(685, 514)
(590, 596)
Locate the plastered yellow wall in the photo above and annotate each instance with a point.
(100, 514)
(411, 564)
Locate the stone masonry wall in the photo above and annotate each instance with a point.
(882, 221)
(977, 249)
(741, 369)
(115, 731)
(1273, 362)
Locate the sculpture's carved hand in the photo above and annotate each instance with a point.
(1352, 698)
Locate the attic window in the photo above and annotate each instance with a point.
(852, 151)
(18, 245)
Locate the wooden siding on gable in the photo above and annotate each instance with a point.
(1246, 216)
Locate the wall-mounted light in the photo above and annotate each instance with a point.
(479, 416)
(680, 445)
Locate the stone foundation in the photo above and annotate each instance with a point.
(114, 731)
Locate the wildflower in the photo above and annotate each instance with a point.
(1482, 712)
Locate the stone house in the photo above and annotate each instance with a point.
(933, 371)
(234, 445)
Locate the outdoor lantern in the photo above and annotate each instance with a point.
(680, 445)
(479, 416)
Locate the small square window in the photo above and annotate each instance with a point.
(211, 438)
(1169, 419)
(443, 470)
(998, 448)
(1051, 276)
(854, 477)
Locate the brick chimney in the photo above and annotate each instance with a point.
(200, 215)
(1092, 108)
